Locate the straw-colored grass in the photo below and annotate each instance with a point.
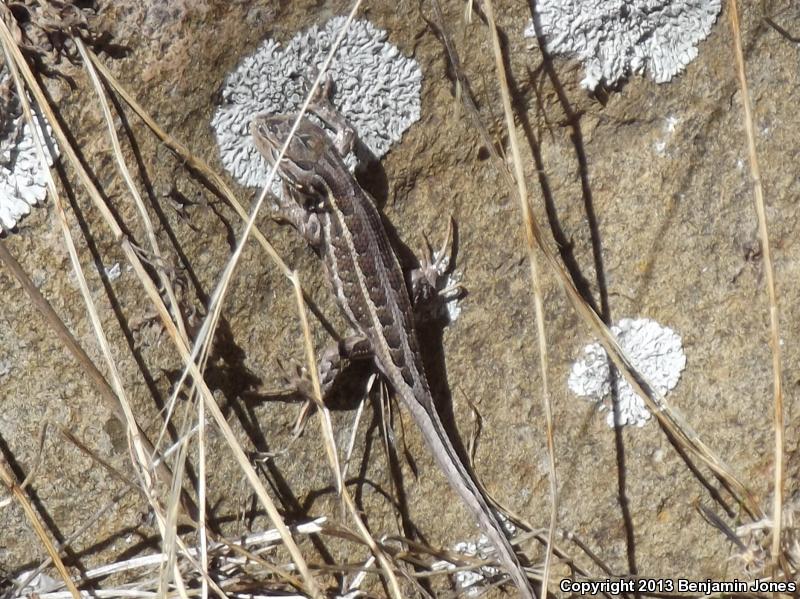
(232, 567)
(774, 327)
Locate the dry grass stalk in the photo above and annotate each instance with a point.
(138, 452)
(236, 562)
(30, 514)
(774, 325)
(102, 387)
(153, 295)
(176, 487)
(527, 218)
(139, 455)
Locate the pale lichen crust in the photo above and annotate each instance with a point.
(655, 351)
(618, 38)
(23, 181)
(376, 88)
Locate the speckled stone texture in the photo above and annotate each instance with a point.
(645, 194)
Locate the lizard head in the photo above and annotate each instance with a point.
(307, 148)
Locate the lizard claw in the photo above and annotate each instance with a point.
(431, 278)
(321, 106)
(439, 261)
(324, 91)
(295, 377)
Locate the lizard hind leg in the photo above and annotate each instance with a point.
(333, 359)
(329, 365)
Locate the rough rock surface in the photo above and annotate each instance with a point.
(647, 190)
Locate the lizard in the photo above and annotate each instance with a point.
(340, 221)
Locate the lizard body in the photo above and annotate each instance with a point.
(325, 203)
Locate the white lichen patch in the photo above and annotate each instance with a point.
(23, 181)
(655, 351)
(113, 272)
(668, 128)
(617, 38)
(471, 582)
(376, 88)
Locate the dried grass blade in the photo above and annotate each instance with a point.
(22, 500)
(774, 325)
(109, 398)
(153, 295)
(330, 447)
(140, 457)
(527, 217)
(137, 198)
(177, 487)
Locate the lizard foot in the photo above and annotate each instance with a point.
(434, 278)
(322, 107)
(329, 365)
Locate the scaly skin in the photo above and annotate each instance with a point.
(339, 219)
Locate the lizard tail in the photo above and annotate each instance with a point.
(462, 482)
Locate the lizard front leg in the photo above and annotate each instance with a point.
(288, 208)
(432, 280)
(322, 107)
